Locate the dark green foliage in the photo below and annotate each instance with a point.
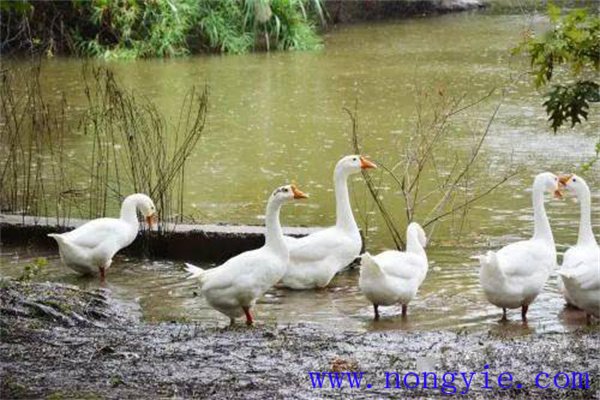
(158, 28)
(571, 48)
(569, 103)
(136, 29)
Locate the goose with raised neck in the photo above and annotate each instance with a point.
(513, 276)
(316, 258)
(394, 277)
(233, 287)
(580, 270)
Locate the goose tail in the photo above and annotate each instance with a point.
(70, 250)
(58, 237)
(580, 276)
(490, 267)
(368, 265)
(195, 272)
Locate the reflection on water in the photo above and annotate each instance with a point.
(278, 117)
(450, 298)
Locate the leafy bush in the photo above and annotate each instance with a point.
(159, 28)
(573, 41)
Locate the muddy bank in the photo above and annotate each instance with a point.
(211, 242)
(61, 342)
(342, 11)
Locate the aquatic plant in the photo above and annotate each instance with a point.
(32, 269)
(435, 183)
(32, 136)
(133, 149)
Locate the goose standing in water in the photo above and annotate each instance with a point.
(90, 248)
(316, 258)
(233, 287)
(513, 276)
(580, 270)
(393, 276)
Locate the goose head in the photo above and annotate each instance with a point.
(287, 193)
(548, 182)
(353, 164)
(146, 206)
(573, 183)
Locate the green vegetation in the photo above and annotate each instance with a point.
(159, 28)
(567, 58)
(33, 269)
(574, 41)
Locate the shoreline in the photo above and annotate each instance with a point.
(205, 242)
(62, 342)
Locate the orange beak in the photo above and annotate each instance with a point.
(366, 164)
(151, 220)
(562, 184)
(558, 194)
(298, 194)
(564, 179)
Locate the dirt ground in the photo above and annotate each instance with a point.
(60, 342)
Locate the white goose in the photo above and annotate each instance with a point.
(316, 258)
(580, 270)
(233, 287)
(90, 248)
(393, 276)
(513, 276)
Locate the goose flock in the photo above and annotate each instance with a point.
(511, 277)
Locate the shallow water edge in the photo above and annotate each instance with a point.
(206, 243)
(104, 352)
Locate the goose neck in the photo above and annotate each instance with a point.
(129, 210)
(542, 228)
(586, 234)
(413, 245)
(274, 234)
(344, 217)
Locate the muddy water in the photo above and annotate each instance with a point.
(278, 117)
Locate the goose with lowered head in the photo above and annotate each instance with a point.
(316, 258)
(393, 276)
(233, 287)
(580, 270)
(513, 276)
(89, 249)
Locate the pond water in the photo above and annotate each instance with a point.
(278, 117)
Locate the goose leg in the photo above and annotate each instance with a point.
(249, 320)
(376, 309)
(404, 310)
(524, 309)
(231, 321)
(588, 319)
(102, 274)
(504, 315)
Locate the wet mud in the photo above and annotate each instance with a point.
(60, 342)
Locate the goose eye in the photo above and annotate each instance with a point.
(285, 190)
(574, 180)
(354, 159)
